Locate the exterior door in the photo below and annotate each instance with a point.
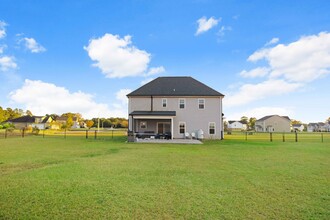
(163, 127)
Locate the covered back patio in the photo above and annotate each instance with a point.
(152, 124)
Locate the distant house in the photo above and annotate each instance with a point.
(298, 127)
(27, 121)
(63, 120)
(273, 123)
(318, 127)
(312, 127)
(323, 127)
(175, 107)
(237, 125)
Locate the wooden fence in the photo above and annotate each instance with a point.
(87, 134)
(280, 137)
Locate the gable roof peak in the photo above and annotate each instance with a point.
(175, 86)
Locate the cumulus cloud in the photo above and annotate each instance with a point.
(252, 92)
(40, 97)
(117, 57)
(32, 45)
(2, 48)
(2, 29)
(205, 24)
(222, 30)
(121, 96)
(7, 63)
(304, 60)
(260, 112)
(272, 41)
(155, 70)
(257, 72)
(145, 81)
(289, 67)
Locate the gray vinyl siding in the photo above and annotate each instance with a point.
(193, 117)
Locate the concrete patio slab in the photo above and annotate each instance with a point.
(164, 141)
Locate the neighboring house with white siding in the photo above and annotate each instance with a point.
(273, 123)
(237, 125)
(175, 107)
(298, 127)
(318, 127)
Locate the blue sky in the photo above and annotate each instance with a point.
(267, 57)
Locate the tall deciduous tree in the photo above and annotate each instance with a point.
(252, 122)
(89, 123)
(69, 122)
(295, 122)
(244, 119)
(28, 112)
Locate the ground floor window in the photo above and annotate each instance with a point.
(143, 124)
(182, 127)
(212, 128)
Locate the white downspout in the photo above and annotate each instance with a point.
(172, 126)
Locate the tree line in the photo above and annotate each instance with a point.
(7, 114)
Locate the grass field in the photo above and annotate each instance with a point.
(75, 178)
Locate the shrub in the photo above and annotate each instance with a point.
(35, 131)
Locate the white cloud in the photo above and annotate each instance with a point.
(272, 41)
(117, 57)
(32, 45)
(252, 92)
(155, 70)
(289, 68)
(40, 97)
(145, 81)
(2, 48)
(258, 55)
(2, 29)
(260, 112)
(205, 24)
(7, 63)
(223, 29)
(301, 61)
(121, 96)
(257, 72)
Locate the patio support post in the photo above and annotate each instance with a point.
(172, 126)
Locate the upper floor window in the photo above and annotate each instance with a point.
(164, 103)
(182, 103)
(201, 103)
(212, 128)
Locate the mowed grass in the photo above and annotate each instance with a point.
(75, 178)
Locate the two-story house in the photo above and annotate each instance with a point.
(237, 125)
(273, 123)
(28, 121)
(176, 107)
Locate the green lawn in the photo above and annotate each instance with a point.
(75, 178)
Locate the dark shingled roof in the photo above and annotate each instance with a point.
(269, 116)
(23, 119)
(154, 113)
(242, 122)
(175, 86)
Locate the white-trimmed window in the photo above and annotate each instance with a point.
(182, 103)
(143, 124)
(164, 103)
(182, 127)
(211, 127)
(201, 103)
